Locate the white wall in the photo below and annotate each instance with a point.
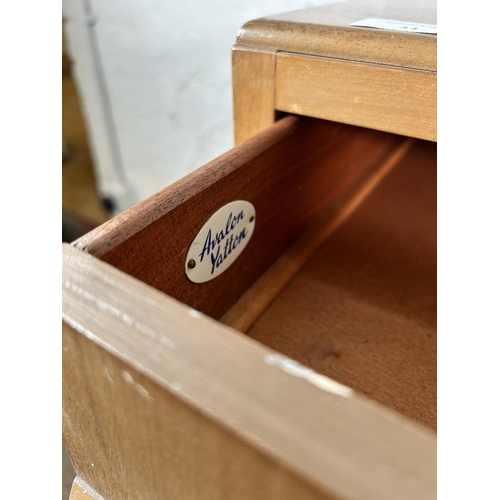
(155, 80)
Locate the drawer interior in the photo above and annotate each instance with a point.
(340, 273)
(362, 310)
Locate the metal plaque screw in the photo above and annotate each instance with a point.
(191, 263)
(252, 218)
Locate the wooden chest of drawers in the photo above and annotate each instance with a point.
(307, 369)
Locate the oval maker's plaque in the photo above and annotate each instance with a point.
(220, 241)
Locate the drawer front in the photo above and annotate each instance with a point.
(398, 100)
(162, 402)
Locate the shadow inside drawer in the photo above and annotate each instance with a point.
(363, 309)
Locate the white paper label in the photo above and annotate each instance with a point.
(388, 24)
(220, 241)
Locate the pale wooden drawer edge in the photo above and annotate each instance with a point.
(360, 450)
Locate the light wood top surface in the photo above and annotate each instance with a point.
(326, 31)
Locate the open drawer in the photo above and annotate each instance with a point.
(306, 369)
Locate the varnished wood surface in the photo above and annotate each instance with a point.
(325, 68)
(143, 442)
(291, 172)
(325, 31)
(78, 494)
(161, 402)
(253, 91)
(125, 225)
(258, 297)
(401, 101)
(81, 491)
(363, 309)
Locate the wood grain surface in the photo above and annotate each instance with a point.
(82, 491)
(253, 91)
(325, 31)
(397, 100)
(258, 297)
(363, 309)
(325, 68)
(162, 402)
(291, 172)
(77, 493)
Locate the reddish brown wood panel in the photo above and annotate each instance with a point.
(290, 173)
(363, 310)
(260, 295)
